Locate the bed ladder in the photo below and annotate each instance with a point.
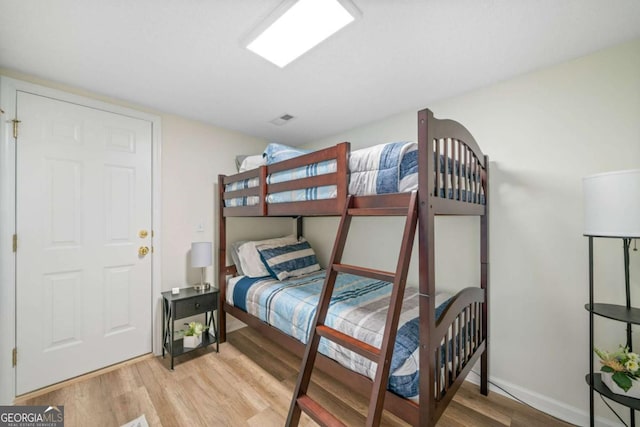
(301, 401)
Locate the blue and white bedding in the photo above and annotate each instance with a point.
(358, 308)
(384, 168)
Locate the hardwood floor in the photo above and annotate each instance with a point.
(249, 383)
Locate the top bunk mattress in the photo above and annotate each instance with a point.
(381, 169)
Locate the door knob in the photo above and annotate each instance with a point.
(143, 233)
(143, 250)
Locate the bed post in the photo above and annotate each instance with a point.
(426, 274)
(299, 229)
(222, 260)
(342, 168)
(484, 281)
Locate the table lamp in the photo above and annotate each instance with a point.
(201, 257)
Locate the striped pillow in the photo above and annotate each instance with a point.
(251, 263)
(289, 260)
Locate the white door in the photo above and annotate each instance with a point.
(83, 195)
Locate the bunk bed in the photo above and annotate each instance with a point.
(451, 179)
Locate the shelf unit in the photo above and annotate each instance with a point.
(621, 313)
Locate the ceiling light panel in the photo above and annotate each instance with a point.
(296, 27)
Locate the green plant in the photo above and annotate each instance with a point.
(623, 364)
(194, 329)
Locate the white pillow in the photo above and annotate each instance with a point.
(234, 256)
(249, 257)
(252, 162)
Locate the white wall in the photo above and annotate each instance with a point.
(193, 154)
(543, 131)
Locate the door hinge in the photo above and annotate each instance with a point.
(15, 128)
(15, 243)
(14, 356)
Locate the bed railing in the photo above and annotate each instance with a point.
(259, 191)
(458, 341)
(459, 173)
(334, 206)
(458, 168)
(339, 178)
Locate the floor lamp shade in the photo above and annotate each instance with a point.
(201, 254)
(612, 204)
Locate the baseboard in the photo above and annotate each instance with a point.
(21, 399)
(543, 403)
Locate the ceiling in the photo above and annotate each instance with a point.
(185, 56)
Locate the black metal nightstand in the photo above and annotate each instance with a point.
(189, 302)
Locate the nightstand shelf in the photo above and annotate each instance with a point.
(616, 312)
(601, 388)
(189, 302)
(178, 348)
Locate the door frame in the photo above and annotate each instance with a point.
(9, 89)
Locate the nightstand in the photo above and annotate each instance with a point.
(189, 302)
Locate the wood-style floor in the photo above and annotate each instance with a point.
(249, 383)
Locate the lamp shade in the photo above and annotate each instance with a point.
(612, 204)
(201, 254)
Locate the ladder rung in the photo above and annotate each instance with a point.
(377, 211)
(385, 276)
(318, 413)
(349, 342)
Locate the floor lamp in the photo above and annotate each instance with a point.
(611, 209)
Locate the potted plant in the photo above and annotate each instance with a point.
(193, 334)
(620, 371)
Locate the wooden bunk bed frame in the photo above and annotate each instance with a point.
(442, 369)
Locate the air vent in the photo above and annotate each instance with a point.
(279, 121)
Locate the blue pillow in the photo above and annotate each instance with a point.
(279, 152)
(289, 260)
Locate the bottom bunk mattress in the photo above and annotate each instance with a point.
(358, 308)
